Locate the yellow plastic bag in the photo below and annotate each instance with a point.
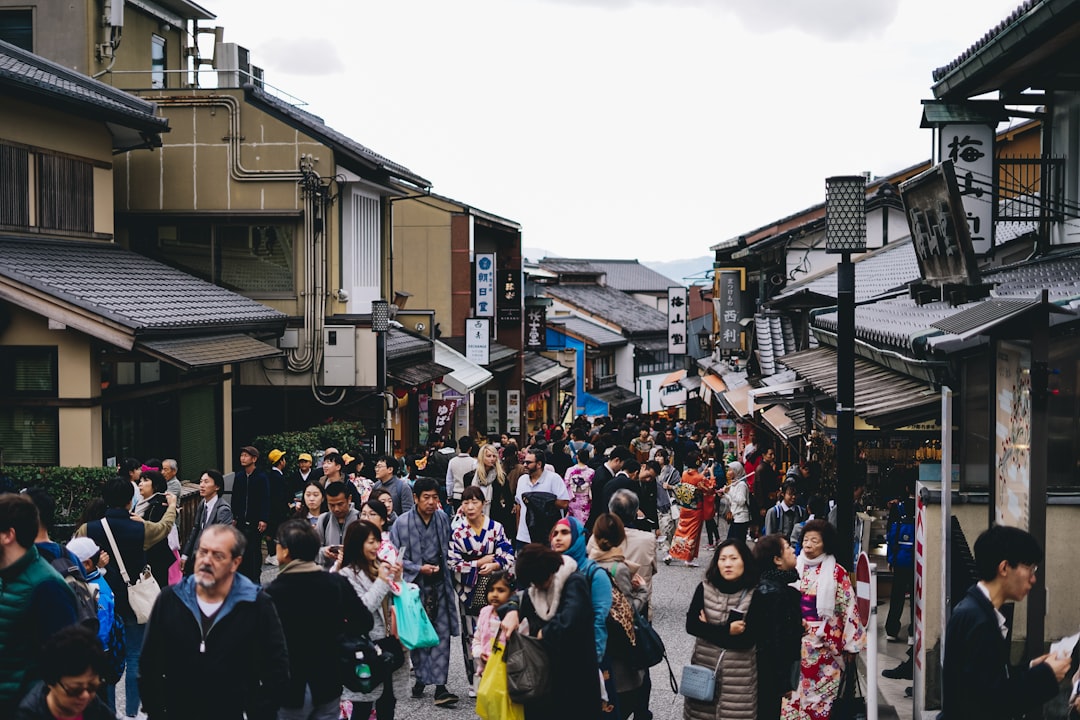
(492, 699)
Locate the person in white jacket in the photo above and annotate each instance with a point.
(737, 493)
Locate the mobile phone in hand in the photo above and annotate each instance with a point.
(734, 616)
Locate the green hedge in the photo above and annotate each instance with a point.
(72, 487)
(348, 437)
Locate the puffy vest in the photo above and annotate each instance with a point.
(18, 636)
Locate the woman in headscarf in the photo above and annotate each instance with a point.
(725, 622)
(568, 537)
(687, 540)
(737, 492)
(556, 605)
(833, 635)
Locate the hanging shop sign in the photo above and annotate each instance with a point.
(536, 327)
(939, 227)
(509, 286)
(677, 320)
(442, 414)
(485, 284)
(492, 410)
(970, 148)
(727, 306)
(478, 340)
(513, 412)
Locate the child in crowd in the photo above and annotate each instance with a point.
(487, 624)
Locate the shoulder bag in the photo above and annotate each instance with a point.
(699, 683)
(528, 676)
(144, 592)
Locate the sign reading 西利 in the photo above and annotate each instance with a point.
(478, 340)
(970, 148)
(727, 306)
(535, 327)
(509, 291)
(485, 284)
(677, 308)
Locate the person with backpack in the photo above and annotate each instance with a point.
(901, 557)
(783, 517)
(110, 626)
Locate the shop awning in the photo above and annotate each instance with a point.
(417, 374)
(619, 401)
(714, 383)
(673, 378)
(540, 370)
(736, 399)
(778, 421)
(207, 350)
(884, 398)
(465, 375)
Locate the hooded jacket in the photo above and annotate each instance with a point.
(240, 661)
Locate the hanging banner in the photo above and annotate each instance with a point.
(513, 412)
(485, 285)
(677, 308)
(478, 340)
(564, 409)
(1012, 439)
(509, 297)
(536, 328)
(442, 414)
(492, 410)
(970, 146)
(727, 306)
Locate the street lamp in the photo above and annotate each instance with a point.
(380, 324)
(845, 233)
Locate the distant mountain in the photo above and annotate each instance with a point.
(691, 271)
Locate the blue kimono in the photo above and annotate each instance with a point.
(421, 544)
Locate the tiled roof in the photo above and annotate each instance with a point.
(985, 40)
(540, 370)
(198, 352)
(876, 273)
(632, 276)
(138, 293)
(401, 343)
(29, 74)
(568, 265)
(591, 333)
(775, 338)
(612, 305)
(319, 129)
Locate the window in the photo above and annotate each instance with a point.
(15, 188)
(28, 434)
(361, 252)
(17, 28)
(65, 193)
(653, 362)
(157, 61)
(247, 257)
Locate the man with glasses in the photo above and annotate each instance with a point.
(386, 476)
(536, 480)
(977, 680)
(219, 626)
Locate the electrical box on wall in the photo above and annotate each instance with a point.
(339, 356)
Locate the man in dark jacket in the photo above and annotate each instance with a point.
(314, 688)
(977, 680)
(251, 510)
(603, 475)
(216, 625)
(279, 501)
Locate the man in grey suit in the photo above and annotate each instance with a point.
(212, 510)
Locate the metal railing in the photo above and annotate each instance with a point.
(1030, 189)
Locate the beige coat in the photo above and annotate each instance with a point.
(736, 697)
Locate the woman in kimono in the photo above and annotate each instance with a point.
(833, 635)
(579, 479)
(685, 544)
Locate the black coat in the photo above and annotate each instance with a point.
(977, 680)
(250, 498)
(568, 639)
(158, 555)
(315, 608)
(130, 535)
(601, 477)
(779, 642)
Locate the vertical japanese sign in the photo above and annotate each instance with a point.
(509, 286)
(478, 340)
(1012, 439)
(919, 597)
(727, 306)
(536, 327)
(513, 412)
(485, 284)
(971, 149)
(442, 414)
(677, 321)
(492, 410)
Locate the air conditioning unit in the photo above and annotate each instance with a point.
(233, 65)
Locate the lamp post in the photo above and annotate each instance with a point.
(380, 324)
(845, 233)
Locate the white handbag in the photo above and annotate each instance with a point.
(144, 592)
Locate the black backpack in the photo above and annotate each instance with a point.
(86, 595)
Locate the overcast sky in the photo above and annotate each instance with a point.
(646, 129)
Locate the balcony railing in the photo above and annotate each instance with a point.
(1030, 189)
(602, 382)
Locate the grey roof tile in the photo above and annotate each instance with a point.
(25, 72)
(134, 291)
(614, 305)
(889, 268)
(590, 332)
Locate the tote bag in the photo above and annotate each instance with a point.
(528, 675)
(144, 592)
(413, 626)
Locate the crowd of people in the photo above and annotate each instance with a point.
(559, 540)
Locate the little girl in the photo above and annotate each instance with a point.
(487, 624)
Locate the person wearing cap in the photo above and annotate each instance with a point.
(279, 502)
(251, 510)
(299, 478)
(87, 552)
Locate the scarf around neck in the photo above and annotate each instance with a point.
(826, 581)
(546, 600)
